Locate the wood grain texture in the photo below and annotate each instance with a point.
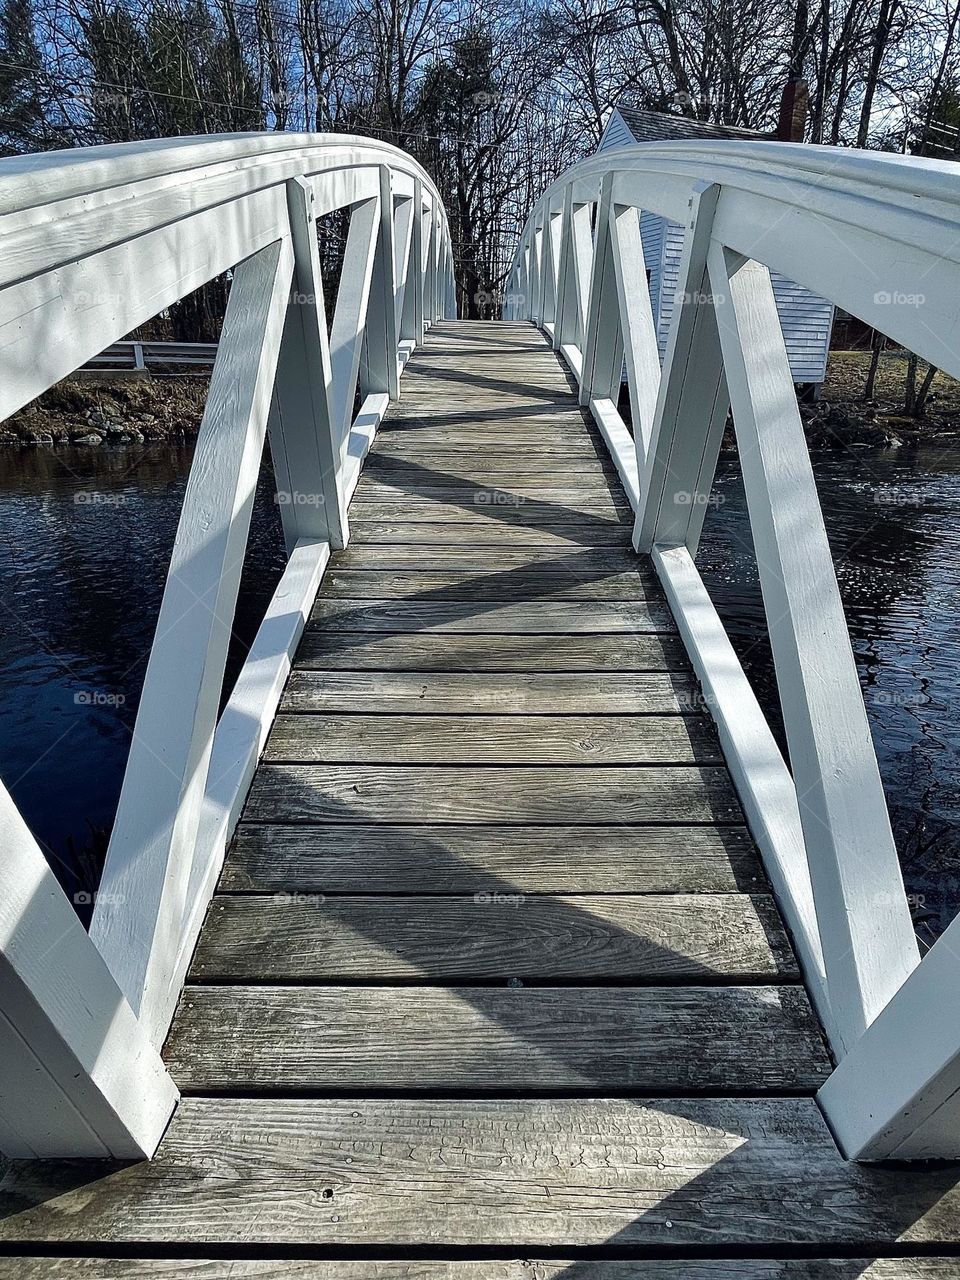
(510, 454)
(630, 1174)
(497, 739)
(487, 532)
(432, 585)
(409, 793)
(496, 933)
(325, 649)
(542, 617)
(455, 468)
(45, 1268)
(464, 859)
(486, 506)
(480, 1040)
(513, 693)
(427, 484)
(468, 557)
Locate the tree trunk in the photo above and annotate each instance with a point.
(920, 407)
(877, 343)
(910, 390)
(881, 38)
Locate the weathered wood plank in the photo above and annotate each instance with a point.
(395, 478)
(425, 438)
(629, 1174)
(496, 739)
(533, 1040)
(519, 693)
(434, 793)
(509, 454)
(457, 468)
(465, 859)
(572, 561)
(506, 584)
(479, 533)
(46, 1268)
(499, 932)
(542, 617)
(327, 649)
(484, 505)
(589, 495)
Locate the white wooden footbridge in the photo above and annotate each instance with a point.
(486, 928)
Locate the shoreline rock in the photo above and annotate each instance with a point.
(93, 412)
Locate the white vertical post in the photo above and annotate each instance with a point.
(429, 252)
(537, 257)
(304, 442)
(529, 279)
(451, 313)
(423, 302)
(379, 370)
(402, 241)
(411, 328)
(139, 914)
(603, 351)
(565, 320)
(435, 260)
(692, 402)
(577, 284)
(353, 292)
(552, 231)
(639, 335)
(868, 942)
(78, 1075)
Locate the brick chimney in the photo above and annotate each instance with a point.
(793, 111)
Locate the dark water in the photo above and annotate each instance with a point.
(85, 541)
(85, 538)
(893, 519)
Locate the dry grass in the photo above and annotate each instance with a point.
(847, 377)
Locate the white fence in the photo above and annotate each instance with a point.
(879, 236)
(96, 242)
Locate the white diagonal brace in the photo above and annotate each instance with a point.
(139, 914)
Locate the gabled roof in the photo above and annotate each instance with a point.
(660, 126)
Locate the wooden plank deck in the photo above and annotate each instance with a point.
(493, 985)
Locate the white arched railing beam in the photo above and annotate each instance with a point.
(53, 323)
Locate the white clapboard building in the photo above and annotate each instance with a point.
(806, 320)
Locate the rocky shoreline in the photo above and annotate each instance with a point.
(92, 411)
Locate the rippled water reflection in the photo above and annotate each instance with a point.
(85, 540)
(894, 526)
(86, 537)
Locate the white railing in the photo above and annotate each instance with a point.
(96, 242)
(879, 236)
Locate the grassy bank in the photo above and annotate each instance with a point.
(843, 417)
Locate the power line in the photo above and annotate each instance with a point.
(78, 92)
(128, 90)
